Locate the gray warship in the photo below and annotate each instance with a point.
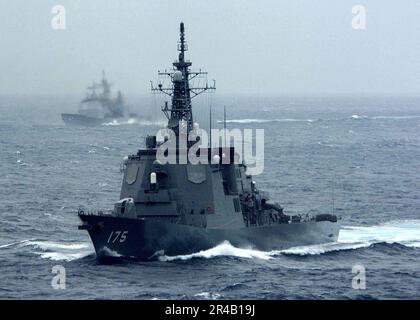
(178, 209)
(98, 108)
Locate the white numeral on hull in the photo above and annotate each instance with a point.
(115, 235)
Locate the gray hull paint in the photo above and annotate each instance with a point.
(184, 208)
(75, 119)
(143, 238)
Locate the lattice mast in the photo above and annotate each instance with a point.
(180, 90)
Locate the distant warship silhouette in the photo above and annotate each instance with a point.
(98, 108)
(177, 209)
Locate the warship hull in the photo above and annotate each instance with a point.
(183, 207)
(74, 119)
(147, 238)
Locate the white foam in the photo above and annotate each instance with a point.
(50, 245)
(396, 117)
(21, 162)
(7, 245)
(397, 231)
(12, 244)
(223, 249)
(112, 123)
(415, 244)
(66, 251)
(323, 248)
(404, 232)
(132, 121)
(207, 295)
(105, 251)
(357, 117)
(59, 256)
(244, 121)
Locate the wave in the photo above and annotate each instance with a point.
(207, 295)
(49, 245)
(223, 249)
(354, 117)
(60, 250)
(403, 232)
(59, 256)
(396, 117)
(245, 121)
(323, 248)
(132, 121)
(357, 117)
(406, 233)
(15, 243)
(106, 252)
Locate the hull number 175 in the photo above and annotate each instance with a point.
(120, 236)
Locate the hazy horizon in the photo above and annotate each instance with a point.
(268, 47)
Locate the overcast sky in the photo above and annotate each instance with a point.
(279, 47)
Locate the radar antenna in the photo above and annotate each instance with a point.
(180, 90)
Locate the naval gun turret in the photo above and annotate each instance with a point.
(183, 206)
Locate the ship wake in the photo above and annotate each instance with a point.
(249, 121)
(134, 121)
(406, 233)
(59, 251)
(223, 249)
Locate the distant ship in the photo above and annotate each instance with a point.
(99, 108)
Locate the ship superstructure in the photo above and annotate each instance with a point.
(183, 207)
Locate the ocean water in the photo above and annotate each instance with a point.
(358, 157)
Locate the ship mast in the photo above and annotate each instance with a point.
(106, 86)
(180, 90)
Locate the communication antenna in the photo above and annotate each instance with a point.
(210, 127)
(333, 194)
(180, 91)
(224, 122)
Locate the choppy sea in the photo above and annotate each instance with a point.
(358, 157)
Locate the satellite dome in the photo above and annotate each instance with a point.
(177, 75)
(216, 159)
